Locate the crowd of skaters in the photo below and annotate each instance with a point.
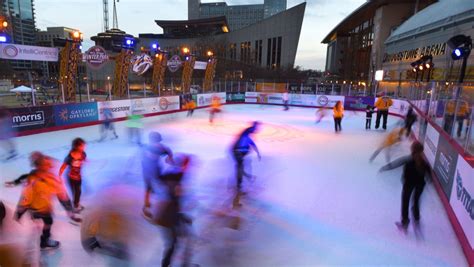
(42, 182)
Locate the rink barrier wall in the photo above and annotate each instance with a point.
(457, 171)
(454, 193)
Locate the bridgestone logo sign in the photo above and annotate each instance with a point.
(36, 118)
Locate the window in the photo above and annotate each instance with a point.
(269, 47)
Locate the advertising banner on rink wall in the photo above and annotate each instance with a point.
(358, 102)
(155, 104)
(462, 198)
(75, 113)
(206, 99)
(303, 100)
(328, 101)
(120, 108)
(431, 144)
(445, 164)
(32, 118)
(251, 97)
(235, 97)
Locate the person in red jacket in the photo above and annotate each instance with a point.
(74, 161)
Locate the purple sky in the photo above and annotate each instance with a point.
(137, 16)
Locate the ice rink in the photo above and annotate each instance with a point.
(316, 199)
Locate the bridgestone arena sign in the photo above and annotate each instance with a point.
(434, 50)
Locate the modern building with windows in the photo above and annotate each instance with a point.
(238, 16)
(21, 15)
(355, 47)
(427, 34)
(270, 43)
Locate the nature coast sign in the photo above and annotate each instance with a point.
(412, 54)
(95, 57)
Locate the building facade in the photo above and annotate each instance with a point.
(21, 16)
(270, 43)
(427, 34)
(355, 47)
(238, 16)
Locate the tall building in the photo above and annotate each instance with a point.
(238, 16)
(21, 15)
(46, 38)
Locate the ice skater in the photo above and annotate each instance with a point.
(383, 104)
(394, 137)
(107, 124)
(37, 198)
(285, 100)
(190, 106)
(215, 108)
(74, 160)
(415, 169)
(152, 165)
(410, 119)
(7, 133)
(240, 149)
(135, 125)
(338, 113)
(369, 110)
(24, 177)
(177, 225)
(320, 114)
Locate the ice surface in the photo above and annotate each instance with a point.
(316, 200)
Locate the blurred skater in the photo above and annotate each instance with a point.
(369, 110)
(338, 113)
(176, 224)
(285, 100)
(135, 126)
(415, 168)
(24, 177)
(383, 104)
(7, 133)
(190, 106)
(239, 150)
(152, 165)
(410, 119)
(74, 161)
(394, 137)
(107, 124)
(320, 114)
(215, 108)
(37, 198)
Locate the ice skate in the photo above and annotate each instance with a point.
(402, 227)
(78, 209)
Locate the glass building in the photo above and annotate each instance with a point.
(238, 16)
(21, 15)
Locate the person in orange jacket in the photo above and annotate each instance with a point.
(215, 108)
(338, 113)
(382, 105)
(394, 137)
(37, 197)
(190, 106)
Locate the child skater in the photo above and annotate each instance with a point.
(215, 108)
(369, 110)
(74, 161)
(37, 197)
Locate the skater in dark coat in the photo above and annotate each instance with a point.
(369, 110)
(410, 118)
(415, 168)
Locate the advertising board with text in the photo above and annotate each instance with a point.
(206, 99)
(445, 165)
(462, 197)
(431, 144)
(120, 108)
(75, 113)
(32, 118)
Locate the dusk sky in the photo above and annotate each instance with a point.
(137, 16)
